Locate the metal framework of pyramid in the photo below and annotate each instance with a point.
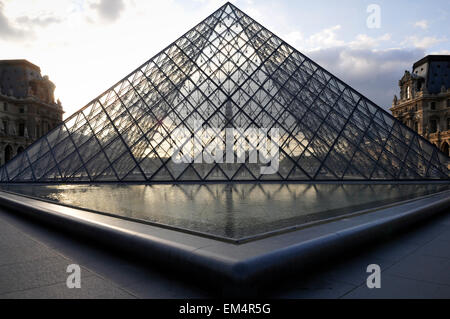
(229, 71)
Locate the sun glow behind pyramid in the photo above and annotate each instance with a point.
(228, 72)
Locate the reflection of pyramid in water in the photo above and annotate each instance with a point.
(229, 71)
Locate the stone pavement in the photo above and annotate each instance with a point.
(34, 259)
(414, 264)
(30, 269)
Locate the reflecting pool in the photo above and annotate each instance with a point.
(231, 211)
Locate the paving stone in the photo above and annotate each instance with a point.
(436, 248)
(424, 268)
(138, 278)
(394, 287)
(393, 251)
(354, 270)
(425, 234)
(445, 236)
(92, 287)
(314, 288)
(36, 273)
(12, 254)
(158, 287)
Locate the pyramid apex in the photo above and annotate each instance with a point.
(228, 3)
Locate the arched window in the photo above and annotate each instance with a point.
(21, 129)
(445, 149)
(5, 127)
(434, 125)
(8, 153)
(408, 92)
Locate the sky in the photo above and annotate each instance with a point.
(86, 46)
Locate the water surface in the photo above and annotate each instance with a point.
(232, 211)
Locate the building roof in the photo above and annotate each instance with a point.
(432, 58)
(20, 62)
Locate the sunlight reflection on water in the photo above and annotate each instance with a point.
(228, 210)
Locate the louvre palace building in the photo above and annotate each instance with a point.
(27, 107)
(424, 103)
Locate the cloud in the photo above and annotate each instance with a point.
(7, 30)
(38, 21)
(363, 41)
(422, 43)
(423, 24)
(374, 73)
(358, 62)
(441, 52)
(326, 38)
(294, 37)
(371, 65)
(109, 10)
(22, 27)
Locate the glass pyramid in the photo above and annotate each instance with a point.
(228, 72)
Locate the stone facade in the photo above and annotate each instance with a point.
(27, 106)
(424, 103)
